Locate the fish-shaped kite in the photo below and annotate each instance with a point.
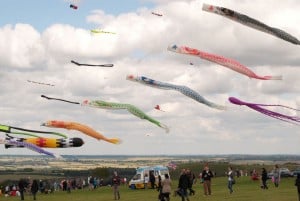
(250, 22)
(29, 132)
(130, 108)
(259, 108)
(48, 142)
(82, 128)
(30, 146)
(229, 63)
(182, 89)
(93, 65)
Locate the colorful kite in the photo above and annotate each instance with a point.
(23, 131)
(48, 142)
(157, 107)
(59, 99)
(94, 65)
(41, 83)
(99, 31)
(130, 108)
(259, 108)
(82, 128)
(73, 6)
(28, 146)
(183, 89)
(250, 22)
(157, 14)
(229, 63)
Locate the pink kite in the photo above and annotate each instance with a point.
(158, 108)
(229, 63)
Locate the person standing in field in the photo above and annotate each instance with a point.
(297, 184)
(183, 185)
(34, 188)
(22, 188)
(206, 176)
(264, 177)
(115, 185)
(231, 180)
(276, 176)
(166, 188)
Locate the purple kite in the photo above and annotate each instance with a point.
(259, 108)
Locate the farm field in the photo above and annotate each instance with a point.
(244, 190)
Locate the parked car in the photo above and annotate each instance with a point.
(296, 171)
(285, 172)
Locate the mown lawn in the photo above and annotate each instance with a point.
(244, 190)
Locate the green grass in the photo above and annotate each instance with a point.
(244, 190)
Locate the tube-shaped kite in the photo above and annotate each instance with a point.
(99, 31)
(130, 108)
(28, 146)
(49, 142)
(10, 129)
(259, 108)
(250, 22)
(82, 128)
(93, 65)
(182, 89)
(229, 63)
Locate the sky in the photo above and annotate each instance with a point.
(38, 39)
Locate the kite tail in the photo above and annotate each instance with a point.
(278, 77)
(114, 140)
(164, 127)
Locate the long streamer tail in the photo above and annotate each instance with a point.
(114, 140)
(278, 77)
(164, 127)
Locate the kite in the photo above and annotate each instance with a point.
(98, 31)
(41, 83)
(48, 142)
(157, 14)
(10, 129)
(73, 6)
(229, 63)
(28, 146)
(250, 22)
(158, 108)
(94, 65)
(130, 108)
(82, 128)
(259, 108)
(59, 99)
(183, 89)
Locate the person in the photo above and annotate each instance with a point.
(206, 176)
(231, 180)
(183, 185)
(264, 177)
(166, 188)
(191, 177)
(276, 176)
(152, 179)
(115, 185)
(22, 186)
(297, 184)
(34, 188)
(146, 181)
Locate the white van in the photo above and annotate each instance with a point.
(138, 180)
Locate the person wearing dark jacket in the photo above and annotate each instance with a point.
(34, 188)
(264, 178)
(152, 180)
(183, 185)
(206, 176)
(297, 184)
(22, 186)
(116, 181)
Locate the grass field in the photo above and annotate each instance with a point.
(244, 190)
